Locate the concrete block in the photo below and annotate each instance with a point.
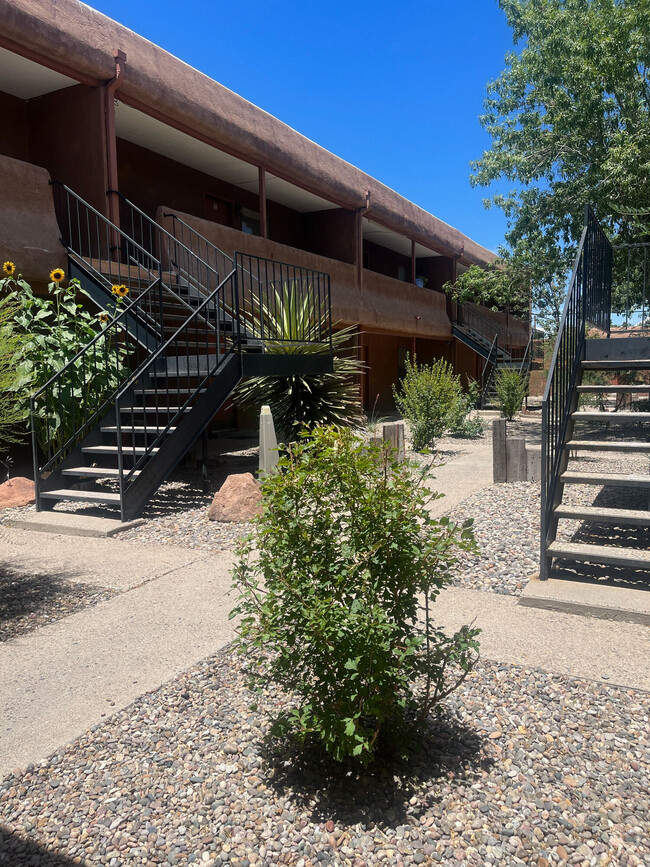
(534, 463)
(517, 461)
(394, 434)
(268, 442)
(499, 456)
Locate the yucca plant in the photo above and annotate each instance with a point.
(288, 323)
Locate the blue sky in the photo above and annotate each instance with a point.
(395, 89)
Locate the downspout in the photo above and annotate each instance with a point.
(111, 143)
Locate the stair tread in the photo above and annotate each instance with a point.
(112, 450)
(610, 446)
(626, 480)
(85, 496)
(584, 415)
(95, 472)
(619, 389)
(617, 364)
(597, 513)
(126, 429)
(137, 410)
(634, 557)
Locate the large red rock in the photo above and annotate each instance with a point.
(17, 492)
(238, 499)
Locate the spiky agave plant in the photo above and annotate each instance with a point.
(288, 323)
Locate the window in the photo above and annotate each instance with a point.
(250, 222)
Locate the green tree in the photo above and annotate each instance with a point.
(569, 119)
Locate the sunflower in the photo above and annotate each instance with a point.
(57, 275)
(121, 291)
(103, 317)
(9, 268)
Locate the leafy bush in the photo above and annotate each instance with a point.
(10, 413)
(336, 589)
(51, 331)
(464, 423)
(510, 390)
(428, 397)
(303, 400)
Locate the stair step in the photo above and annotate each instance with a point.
(609, 364)
(141, 410)
(161, 391)
(112, 450)
(84, 496)
(620, 479)
(96, 472)
(614, 389)
(138, 429)
(613, 446)
(610, 416)
(607, 516)
(634, 558)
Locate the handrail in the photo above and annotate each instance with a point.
(588, 300)
(492, 363)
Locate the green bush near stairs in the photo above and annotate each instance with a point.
(510, 390)
(429, 397)
(336, 592)
(51, 331)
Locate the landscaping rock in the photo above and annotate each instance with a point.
(16, 493)
(238, 499)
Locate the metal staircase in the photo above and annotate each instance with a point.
(135, 399)
(614, 529)
(492, 342)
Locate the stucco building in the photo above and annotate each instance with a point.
(87, 102)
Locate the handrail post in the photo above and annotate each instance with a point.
(32, 418)
(120, 455)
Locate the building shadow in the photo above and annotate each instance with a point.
(18, 851)
(348, 794)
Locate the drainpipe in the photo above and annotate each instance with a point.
(111, 143)
(360, 212)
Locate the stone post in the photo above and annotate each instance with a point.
(499, 453)
(268, 442)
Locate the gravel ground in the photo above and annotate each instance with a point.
(522, 767)
(28, 602)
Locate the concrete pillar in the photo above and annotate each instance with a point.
(516, 459)
(268, 442)
(499, 455)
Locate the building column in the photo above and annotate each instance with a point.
(262, 202)
(413, 262)
(111, 140)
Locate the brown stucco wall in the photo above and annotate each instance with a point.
(73, 34)
(13, 127)
(384, 303)
(29, 233)
(67, 137)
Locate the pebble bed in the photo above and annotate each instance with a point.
(522, 768)
(28, 602)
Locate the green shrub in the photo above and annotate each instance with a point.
(51, 332)
(303, 400)
(464, 422)
(510, 390)
(428, 397)
(11, 414)
(336, 589)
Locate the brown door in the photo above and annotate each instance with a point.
(217, 210)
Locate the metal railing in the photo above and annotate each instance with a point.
(68, 405)
(192, 240)
(173, 377)
(283, 305)
(631, 279)
(470, 318)
(588, 301)
(489, 369)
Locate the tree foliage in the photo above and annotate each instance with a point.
(337, 589)
(569, 119)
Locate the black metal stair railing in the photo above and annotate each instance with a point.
(192, 240)
(588, 301)
(484, 330)
(69, 404)
(488, 372)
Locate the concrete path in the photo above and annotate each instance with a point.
(60, 680)
(466, 470)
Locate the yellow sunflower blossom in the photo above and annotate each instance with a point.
(103, 317)
(121, 291)
(9, 268)
(57, 275)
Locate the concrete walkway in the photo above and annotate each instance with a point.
(66, 677)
